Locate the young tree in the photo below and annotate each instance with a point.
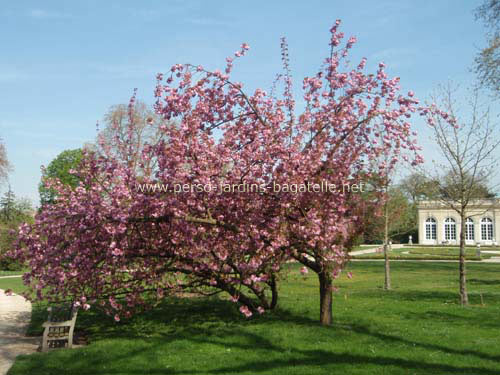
(402, 214)
(468, 146)
(233, 205)
(395, 217)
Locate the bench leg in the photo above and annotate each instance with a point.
(70, 337)
(45, 341)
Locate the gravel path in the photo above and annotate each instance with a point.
(15, 314)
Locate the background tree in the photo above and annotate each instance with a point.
(402, 223)
(13, 212)
(450, 186)
(403, 216)
(128, 129)
(468, 146)
(391, 213)
(59, 168)
(5, 166)
(417, 186)
(7, 205)
(488, 60)
(393, 223)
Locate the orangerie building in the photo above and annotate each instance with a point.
(438, 223)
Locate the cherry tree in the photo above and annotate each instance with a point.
(243, 182)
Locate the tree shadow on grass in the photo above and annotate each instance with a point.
(484, 282)
(434, 347)
(411, 295)
(443, 296)
(216, 323)
(278, 358)
(172, 312)
(479, 319)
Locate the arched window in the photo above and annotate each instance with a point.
(486, 229)
(450, 229)
(469, 229)
(430, 229)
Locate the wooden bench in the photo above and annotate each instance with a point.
(59, 327)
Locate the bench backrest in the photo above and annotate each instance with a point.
(62, 313)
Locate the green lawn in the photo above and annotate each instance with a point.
(429, 253)
(447, 251)
(14, 283)
(418, 328)
(366, 247)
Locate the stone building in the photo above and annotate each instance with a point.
(438, 223)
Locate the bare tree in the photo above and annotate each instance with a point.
(5, 166)
(488, 61)
(130, 127)
(468, 145)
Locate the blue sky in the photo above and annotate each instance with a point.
(64, 63)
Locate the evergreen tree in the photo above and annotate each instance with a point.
(8, 205)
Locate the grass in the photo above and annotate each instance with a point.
(447, 251)
(483, 247)
(428, 253)
(365, 247)
(14, 283)
(417, 328)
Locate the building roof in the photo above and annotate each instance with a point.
(483, 203)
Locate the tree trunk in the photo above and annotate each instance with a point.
(387, 267)
(325, 292)
(274, 291)
(464, 299)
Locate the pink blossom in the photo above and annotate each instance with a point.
(117, 252)
(245, 311)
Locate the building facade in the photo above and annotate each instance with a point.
(439, 224)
